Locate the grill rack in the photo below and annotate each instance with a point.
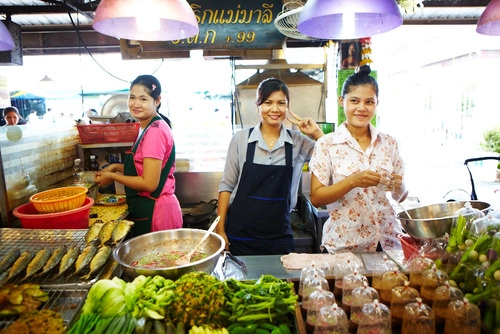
(66, 301)
(66, 294)
(34, 240)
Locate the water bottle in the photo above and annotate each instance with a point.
(93, 165)
(77, 173)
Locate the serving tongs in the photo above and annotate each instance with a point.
(239, 262)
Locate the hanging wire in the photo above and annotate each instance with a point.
(77, 30)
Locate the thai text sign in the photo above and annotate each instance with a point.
(230, 25)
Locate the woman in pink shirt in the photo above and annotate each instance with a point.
(148, 169)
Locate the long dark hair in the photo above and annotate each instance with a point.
(360, 77)
(269, 86)
(153, 88)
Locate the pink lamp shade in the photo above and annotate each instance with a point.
(6, 41)
(489, 22)
(348, 19)
(146, 20)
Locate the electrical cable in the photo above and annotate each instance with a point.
(77, 30)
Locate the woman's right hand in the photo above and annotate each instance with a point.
(365, 179)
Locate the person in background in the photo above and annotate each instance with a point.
(263, 169)
(347, 168)
(148, 169)
(12, 117)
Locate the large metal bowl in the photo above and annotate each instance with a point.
(184, 239)
(433, 221)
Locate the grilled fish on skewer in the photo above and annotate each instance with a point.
(20, 264)
(84, 258)
(121, 230)
(9, 259)
(98, 260)
(37, 263)
(68, 260)
(106, 232)
(93, 231)
(54, 260)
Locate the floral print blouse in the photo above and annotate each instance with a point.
(364, 216)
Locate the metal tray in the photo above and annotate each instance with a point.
(34, 240)
(67, 301)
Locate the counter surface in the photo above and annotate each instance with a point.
(271, 264)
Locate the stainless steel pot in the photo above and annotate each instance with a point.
(183, 239)
(433, 221)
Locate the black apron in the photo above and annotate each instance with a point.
(258, 220)
(141, 208)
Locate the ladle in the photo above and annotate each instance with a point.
(185, 259)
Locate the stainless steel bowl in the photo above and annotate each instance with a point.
(183, 239)
(433, 221)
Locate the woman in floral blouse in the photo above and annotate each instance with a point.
(351, 170)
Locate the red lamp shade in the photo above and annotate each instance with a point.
(489, 22)
(146, 20)
(6, 41)
(348, 19)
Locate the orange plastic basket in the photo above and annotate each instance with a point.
(59, 199)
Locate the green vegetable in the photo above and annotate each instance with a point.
(105, 297)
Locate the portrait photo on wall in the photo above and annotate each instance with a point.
(351, 54)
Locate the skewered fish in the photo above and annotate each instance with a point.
(106, 232)
(20, 264)
(84, 258)
(121, 230)
(93, 231)
(38, 262)
(54, 260)
(68, 260)
(98, 260)
(9, 259)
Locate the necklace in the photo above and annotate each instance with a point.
(272, 142)
(361, 140)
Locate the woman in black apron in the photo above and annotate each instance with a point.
(147, 172)
(263, 168)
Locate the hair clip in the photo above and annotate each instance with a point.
(153, 86)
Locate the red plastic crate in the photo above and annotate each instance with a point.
(108, 133)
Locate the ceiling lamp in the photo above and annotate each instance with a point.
(6, 41)
(146, 20)
(489, 22)
(348, 19)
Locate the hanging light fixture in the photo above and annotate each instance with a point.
(348, 19)
(146, 20)
(489, 22)
(6, 41)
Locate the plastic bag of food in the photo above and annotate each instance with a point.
(418, 318)
(462, 317)
(376, 319)
(331, 320)
(431, 279)
(443, 295)
(461, 225)
(379, 268)
(316, 300)
(391, 279)
(401, 296)
(361, 296)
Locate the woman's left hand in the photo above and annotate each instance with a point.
(306, 125)
(103, 178)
